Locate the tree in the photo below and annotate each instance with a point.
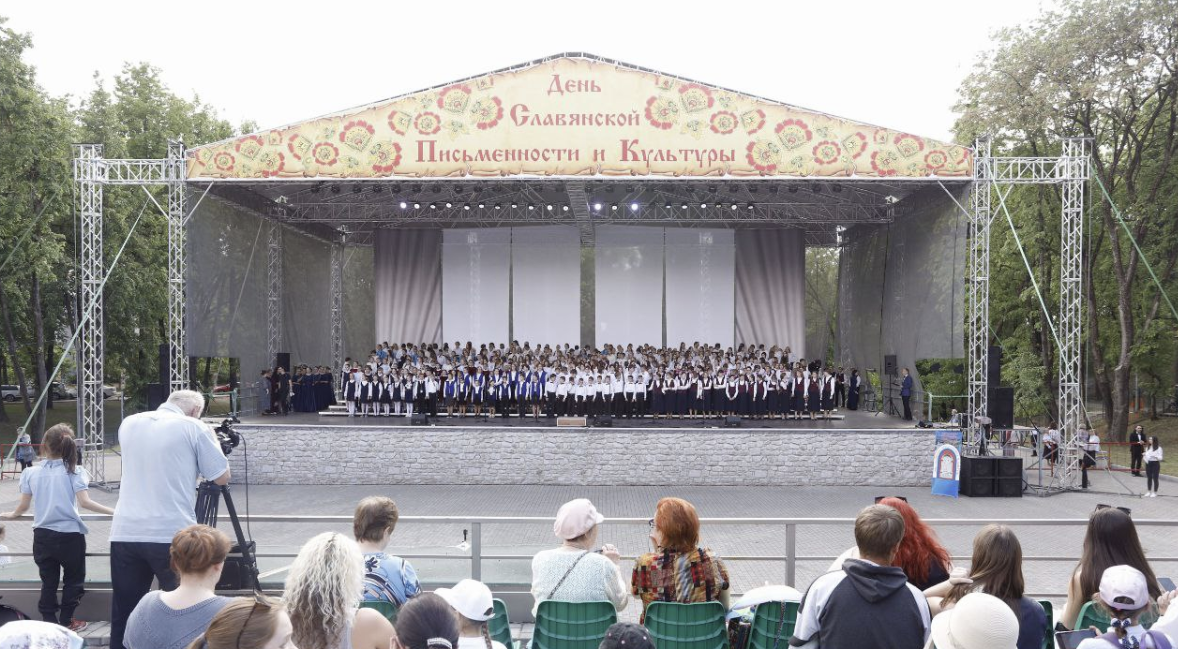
(1106, 71)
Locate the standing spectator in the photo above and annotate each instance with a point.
(868, 604)
(906, 394)
(55, 489)
(265, 400)
(1089, 443)
(248, 623)
(678, 570)
(173, 619)
(1153, 466)
(165, 452)
(386, 577)
(996, 569)
(1136, 449)
(1111, 540)
(323, 593)
(579, 570)
(25, 453)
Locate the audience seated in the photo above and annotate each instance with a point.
(921, 556)
(386, 577)
(678, 570)
(978, 621)
(475, 606)
(1111, 540)
(996, 569)
(578, 570)
(249, 623)
(627, 635)
(868, 604)
(426, 622)
(171, 619)
(322, 592)
(30, 634)
(1124, 595)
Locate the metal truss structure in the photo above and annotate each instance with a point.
(1070, 171)
(177, 191)
(274, 329)
(337, 301)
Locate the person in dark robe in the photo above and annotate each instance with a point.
(280, 391)
(853, 387)
(814, 395)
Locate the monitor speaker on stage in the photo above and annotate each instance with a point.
(1009, 487)
(994, 367)
(419, 419)
(165, 360)
(1008, 467)
(283, 361)
(890, 368)
(1001, 408)
(604, 421)
(732, 421)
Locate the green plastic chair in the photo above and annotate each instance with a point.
(572, 625)
(500, 625)
(1049, 634)
(387, 609)
(1093, 615)
(770, 628)
(687, 626)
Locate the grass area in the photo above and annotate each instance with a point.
(67, 412)
(1166, 430)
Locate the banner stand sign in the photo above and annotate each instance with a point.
(947, 463)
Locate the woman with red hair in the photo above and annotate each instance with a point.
(920, 555)
(678, 570)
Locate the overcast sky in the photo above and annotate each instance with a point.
(894, 64)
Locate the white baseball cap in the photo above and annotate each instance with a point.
(576, 517)
(978, 621)
(472, 599)
(1124, 588)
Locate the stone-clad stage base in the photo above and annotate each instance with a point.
(334, 454)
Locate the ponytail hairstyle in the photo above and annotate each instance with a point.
(1121, 619)
(244, 623)
(486, 629)
(427, 622)
(59, 439)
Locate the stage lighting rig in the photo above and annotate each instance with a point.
(433, 206)
(751, 206)
(417, 206)
(838, 189)
(597, 207)
(335, 189)
(633, 207)
(404, 205)
(449, 204)
(482, 205)
(793, 189)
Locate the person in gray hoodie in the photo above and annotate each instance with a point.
(868, 604)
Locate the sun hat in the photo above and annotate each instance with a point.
(1124, 588)
(978, 621)
(575, 518)
(626, 635)
(472, 599)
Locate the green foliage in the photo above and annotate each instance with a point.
(943, 377)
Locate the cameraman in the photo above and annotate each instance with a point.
(165, 453)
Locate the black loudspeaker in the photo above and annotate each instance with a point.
(419, 419)
(977, 487)
(732, 421)
(1008, 467)
(283, 361)
(165, 361)
(977, 467)
(604, 421)
(1009, 487)
(890, 368)
(236, 575)
(1000, 409)
(994, 367)
(157, 394)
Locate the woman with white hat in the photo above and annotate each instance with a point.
(978, 621)
(579, 570)
(475, 606)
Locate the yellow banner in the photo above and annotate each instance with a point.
(578, 117)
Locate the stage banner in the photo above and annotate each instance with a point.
(629, 285)
(947, 463)
(576, 116)
(475, 290)
(546, 285)
(700, 286)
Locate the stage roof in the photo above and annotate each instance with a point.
(578, 115)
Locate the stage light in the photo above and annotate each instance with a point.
(712, 188)
(416, 188)
(404, 205)
(315, 189)
(838, 189)
(396, 188)
(668, 206)
(550, 207)
(793, 189)
(753, 189)
(417, 206)
(376, 189)
(633, 207)
(514, 205)
(531, 207)
(703, 206)
(466, 207)
(355, 189)
(597, 207)
(684, 206)
(335, 189)
(750, 206)
(564, 208)
(498, 206)
(449, 204)
(433, 206)
(481, 205)
(435, 188)
(734, 206)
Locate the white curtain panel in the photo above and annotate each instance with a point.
(771, 288)
(700, 286)
(629, 285)
(407, 291)
(546, 284)
(475, 288)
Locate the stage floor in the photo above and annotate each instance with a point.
(844, 420)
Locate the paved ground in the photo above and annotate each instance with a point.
(1058, 541)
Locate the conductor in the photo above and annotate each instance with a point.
(906, 394)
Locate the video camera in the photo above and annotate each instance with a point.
(226, 436)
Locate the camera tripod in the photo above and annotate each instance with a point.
(208, 496)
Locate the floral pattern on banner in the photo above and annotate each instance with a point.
(667, 126)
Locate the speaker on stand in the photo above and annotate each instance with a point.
(283, 360)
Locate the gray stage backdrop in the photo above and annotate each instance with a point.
(407, 270)
(771, 288)
(900, 286)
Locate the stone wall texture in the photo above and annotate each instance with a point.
(352, 455)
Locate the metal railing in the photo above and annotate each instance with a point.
(789, 557)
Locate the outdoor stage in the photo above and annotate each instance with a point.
(308, 449)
